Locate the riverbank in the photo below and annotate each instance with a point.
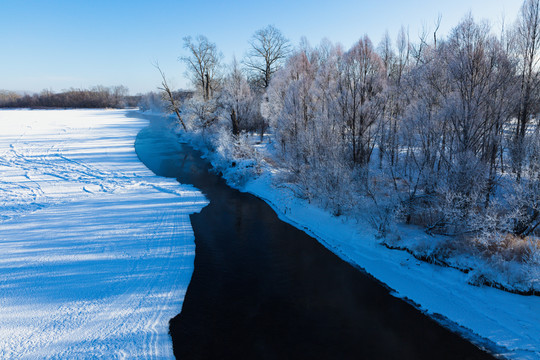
(502, 320)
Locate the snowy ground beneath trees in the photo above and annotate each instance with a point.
(96, 252)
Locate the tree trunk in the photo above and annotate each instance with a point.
(207, 87)
(234, 121)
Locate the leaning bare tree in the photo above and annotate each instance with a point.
(203, 62)
(269, 48)
(168, 96)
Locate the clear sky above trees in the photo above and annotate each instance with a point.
(58, 44)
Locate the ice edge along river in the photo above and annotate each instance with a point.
(96, 252)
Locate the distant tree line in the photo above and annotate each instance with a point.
(96, 97)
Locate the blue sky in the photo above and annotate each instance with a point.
(57, 44)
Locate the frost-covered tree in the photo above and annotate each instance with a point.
(168, 98)
(152, 101)
(203, 64)
(387, 54)
(481, 75)
(527, 48)
(458, 104)
(298, 107)
(527, 195)
(403, 54)
(309, 128)
(394, 97)
(237, 99)
(269, 50)
(361, 79)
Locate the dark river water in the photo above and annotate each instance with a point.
(262, 289)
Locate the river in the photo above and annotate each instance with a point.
(262, 289)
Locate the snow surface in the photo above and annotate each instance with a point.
(502, 321)
(96, 252)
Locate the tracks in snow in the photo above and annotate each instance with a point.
(95, 251)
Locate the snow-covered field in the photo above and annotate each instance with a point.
(96, 252)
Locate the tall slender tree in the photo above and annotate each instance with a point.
(528, 44)
(361, 79)
(236, 98)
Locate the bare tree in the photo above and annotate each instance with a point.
(361, 80)
(236, 98)
(437, 26)
(386, 53)
(204, 64)
(528, 43)
(269, 48)
(418, 51)
(403, 47)
(168, 95)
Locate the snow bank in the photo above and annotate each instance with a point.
(96, 252)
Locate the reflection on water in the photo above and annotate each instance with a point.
(262, 289)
